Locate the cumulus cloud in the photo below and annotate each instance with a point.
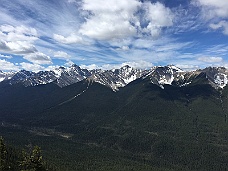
(38, 58)
(210, 59)
(61, 55)
(222, 24)
(8, 66)
(158, 16)
(110, 20)
(31, 67)
(18, 33)
(116, 19)
(17, 40)
(17, 47)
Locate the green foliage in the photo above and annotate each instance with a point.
(14, 160)
(3, 155)
(141, 127)
(32, 160)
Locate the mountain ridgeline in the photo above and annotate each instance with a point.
(158, 118)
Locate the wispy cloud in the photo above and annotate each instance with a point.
(71, 39)
(50, 33)
(215, 12)
(210, 59)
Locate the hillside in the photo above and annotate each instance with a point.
(147, 124)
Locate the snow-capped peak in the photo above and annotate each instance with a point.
(116, 78)
(58, 71)
(173, 67)
(6, 75)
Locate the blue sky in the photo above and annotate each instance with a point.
(41, 35)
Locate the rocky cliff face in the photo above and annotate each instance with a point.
(116, 78)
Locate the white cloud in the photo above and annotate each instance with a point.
(216, 11)
(217, 50)
(61, 55)
(135, 64)
(158, 17)
(210, 59)
(139, 64)
(17, 47)
(110, 20)
(68, 40)
(31, 67)
(187, 67)
(38, 58)
(8, 66)
(89, 67)
(17, 40)
(124, 48)
(51, 67)
(6, 56)
(222, 24)
(18, 33)
(69, 63)
(117, 19)
(214, 8)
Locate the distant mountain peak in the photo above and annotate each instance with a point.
(171, 75)
(74, 65)
(126, 67)
(117, 78)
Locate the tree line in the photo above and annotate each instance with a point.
(30, 159)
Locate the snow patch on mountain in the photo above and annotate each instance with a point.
(221, 80)
(6, 75)
(166, 79)
(117, 78)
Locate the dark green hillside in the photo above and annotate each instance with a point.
(19, 102)
(94, 104)
(142, 125)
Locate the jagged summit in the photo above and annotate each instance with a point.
(217, 77)
(5, 75)
(172, 75)
(117, 78)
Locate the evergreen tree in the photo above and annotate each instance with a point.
(3, 155)
(32, 161)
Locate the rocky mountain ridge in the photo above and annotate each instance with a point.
(217, 77)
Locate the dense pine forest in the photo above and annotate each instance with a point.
(29, 159)
(141, 127)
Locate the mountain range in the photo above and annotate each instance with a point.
(162, 117)
(116, 78)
